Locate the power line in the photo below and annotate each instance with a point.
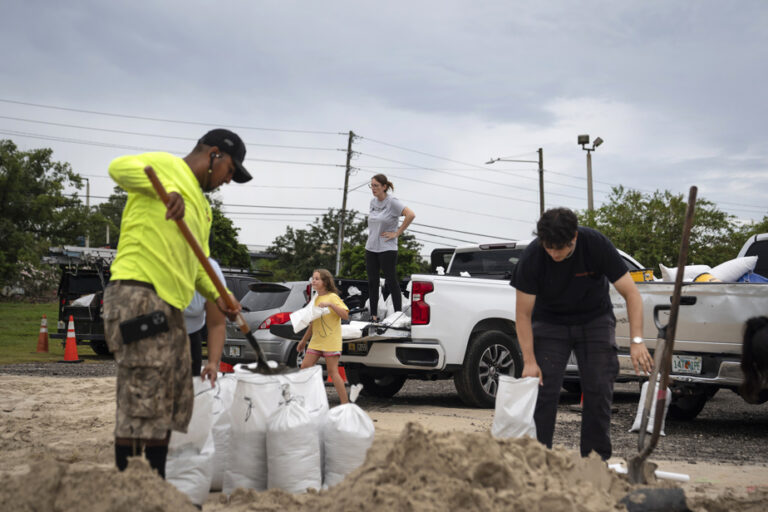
(145, 149)
(162, 120)
(157, 135)
(458, 210)
(441, 236)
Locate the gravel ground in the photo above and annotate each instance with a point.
(728, 430)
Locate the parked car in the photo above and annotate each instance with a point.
(266, 304)
(757, 245)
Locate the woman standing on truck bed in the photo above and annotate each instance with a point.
(381, 247)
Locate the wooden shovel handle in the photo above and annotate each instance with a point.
(191, 240)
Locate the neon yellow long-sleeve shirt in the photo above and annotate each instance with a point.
(152, 249)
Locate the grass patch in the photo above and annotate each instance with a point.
(19, 329)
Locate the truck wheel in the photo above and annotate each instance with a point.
(385, 386)
(491, 354)
(686, 408)
(100, 347)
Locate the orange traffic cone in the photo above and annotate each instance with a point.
(70, 349)
(342, 373)
(42, 338)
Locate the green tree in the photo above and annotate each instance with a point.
(299, 251)
(34, 210)
(650, 227)
(225, 247)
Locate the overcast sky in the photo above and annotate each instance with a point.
(432, 89)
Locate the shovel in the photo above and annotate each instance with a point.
(639, 471)
(262, 366)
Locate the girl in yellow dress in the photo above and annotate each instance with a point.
(324, 333)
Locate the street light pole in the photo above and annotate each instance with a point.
(540, 161)
(584, 140)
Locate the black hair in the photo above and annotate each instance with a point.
(556, 228)
(754, 359)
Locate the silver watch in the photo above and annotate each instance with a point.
(638, 339)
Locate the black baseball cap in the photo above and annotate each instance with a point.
(230, 143)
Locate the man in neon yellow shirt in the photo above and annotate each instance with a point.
(153, 279)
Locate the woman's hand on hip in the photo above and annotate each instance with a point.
(389, 235)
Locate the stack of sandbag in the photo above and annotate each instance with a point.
(294, 463)
(222, 426)
(256, 399)
(347, 434)
(731, 271)
(189, 466)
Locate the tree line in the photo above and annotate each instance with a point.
(37, 213)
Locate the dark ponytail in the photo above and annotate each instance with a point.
(382, 179)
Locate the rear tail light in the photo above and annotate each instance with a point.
(276, 319)
(419, 308)
(226, 368)
(308, 292)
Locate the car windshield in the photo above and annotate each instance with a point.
(268, 298)
(484, 263)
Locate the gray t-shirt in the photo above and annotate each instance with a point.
(383, 216)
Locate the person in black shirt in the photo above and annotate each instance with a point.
(563, 305)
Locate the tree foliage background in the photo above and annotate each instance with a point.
(300, 251)
(38, 210)
(650, 228)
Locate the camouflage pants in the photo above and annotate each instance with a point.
(154, 378)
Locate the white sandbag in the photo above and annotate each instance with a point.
(191, 471)
(381, 307)
(293, 448)
(515, 404)
(732, 270)
(390, 306)
(189, 466)
(689, 273)
(222, 426)
(303, 317)
(651, 418)
(347, 434)
(398, 320)
(352, 332)
(256, 398)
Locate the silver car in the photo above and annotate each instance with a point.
(264, 305)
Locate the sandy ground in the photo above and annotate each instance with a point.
(71, 420)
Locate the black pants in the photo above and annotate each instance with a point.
(196, 350)
(594, 345)
(385, 262)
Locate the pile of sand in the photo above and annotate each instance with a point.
(54, 486)
(458, 471)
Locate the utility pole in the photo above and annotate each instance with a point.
(541, 181)
(344, 203)
(87, 209)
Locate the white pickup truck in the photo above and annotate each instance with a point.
(463, 327)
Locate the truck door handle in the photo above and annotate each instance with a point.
(686, 300)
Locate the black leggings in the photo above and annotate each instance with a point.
(385, 262)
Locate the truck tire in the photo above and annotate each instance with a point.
(100, 347)
(686, 408)
(490, 354)
(385, 386)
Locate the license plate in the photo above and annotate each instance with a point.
(359, 348)
(234, 351)
(686, 364)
